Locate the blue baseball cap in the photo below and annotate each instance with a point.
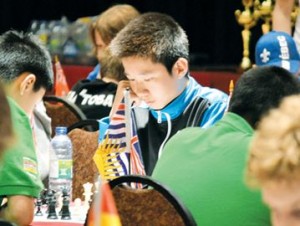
(279, 49)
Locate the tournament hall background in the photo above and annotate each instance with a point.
(213, 32)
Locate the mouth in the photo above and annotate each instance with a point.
(148, 102)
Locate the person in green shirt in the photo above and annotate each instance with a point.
(205, 167)
(26, 72)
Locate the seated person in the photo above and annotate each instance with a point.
(6, 130)
(154, 52)
(95, 97)
(205, 167)
(278, 49)
(106, 27)
(274, 162)
(26, 72)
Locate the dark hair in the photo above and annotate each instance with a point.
(152, 35)
(21, 53)
(260, 89)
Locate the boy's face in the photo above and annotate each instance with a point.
(151, 82)
(30, 99)
(284, 202)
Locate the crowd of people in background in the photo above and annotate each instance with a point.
(196, 140)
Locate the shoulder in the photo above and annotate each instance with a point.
(212, 94)
(182, 139)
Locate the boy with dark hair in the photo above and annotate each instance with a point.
(26, 72)
(205, 167)
(154, 52)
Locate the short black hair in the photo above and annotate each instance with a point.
(154, 36)
(260, 89)
(23, 52)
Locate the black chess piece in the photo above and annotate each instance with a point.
(51, 208)
(38, 206)
(43, 196)
(64, 193)
(65, 210)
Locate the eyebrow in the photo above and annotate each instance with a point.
(145, 73)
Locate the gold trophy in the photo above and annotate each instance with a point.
(264, 11)
(247, 19)
(255, 10)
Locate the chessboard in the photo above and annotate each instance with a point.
(76, 215)
(54, 209)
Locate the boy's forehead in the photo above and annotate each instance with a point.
(141, 66)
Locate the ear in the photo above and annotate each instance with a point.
(27, 83)
(180, 68)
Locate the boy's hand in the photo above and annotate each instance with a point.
(122, 86)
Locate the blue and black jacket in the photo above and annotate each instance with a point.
(155, 127)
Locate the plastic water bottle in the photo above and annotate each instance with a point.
(61, 163)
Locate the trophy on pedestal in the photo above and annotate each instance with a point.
(247, 19)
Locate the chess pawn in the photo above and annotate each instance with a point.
(38, 205)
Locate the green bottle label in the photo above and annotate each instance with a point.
(65, 169)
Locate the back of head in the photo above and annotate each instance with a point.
(112, 67)
(21, 53)
(152, 36)
(111, 21)
(260, 89)
(275, 150)
(279, 49)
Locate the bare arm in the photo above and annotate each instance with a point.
(281, 17)
(19, 210)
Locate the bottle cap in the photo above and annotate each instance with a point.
(61, 130)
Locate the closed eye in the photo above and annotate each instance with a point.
(148, 79)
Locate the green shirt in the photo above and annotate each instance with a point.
(205, 168)
(18, 168)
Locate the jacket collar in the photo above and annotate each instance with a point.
(180, 103)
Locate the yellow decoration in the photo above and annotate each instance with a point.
(106, 158)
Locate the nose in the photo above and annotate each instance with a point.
(139, 88)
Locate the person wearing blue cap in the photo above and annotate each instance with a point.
(279, 49)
